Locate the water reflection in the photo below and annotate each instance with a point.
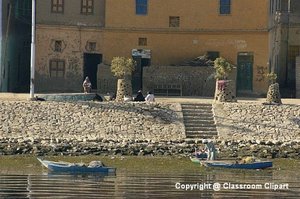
(130, 184)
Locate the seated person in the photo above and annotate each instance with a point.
(139, 97)
(150, 97)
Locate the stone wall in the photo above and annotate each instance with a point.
(298, 77)
(107, 83)
(252, 121)
(90, 121)
(193, 81)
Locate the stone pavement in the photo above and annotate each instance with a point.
(68, 128)
(181, 99)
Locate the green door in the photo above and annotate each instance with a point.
(244, 72)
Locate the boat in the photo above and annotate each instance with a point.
(233, 164)
(92, 167)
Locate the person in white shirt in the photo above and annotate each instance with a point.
(87, 85)
(150, 97)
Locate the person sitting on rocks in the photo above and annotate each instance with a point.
(87, 85)
(139, 97)
(150, 97)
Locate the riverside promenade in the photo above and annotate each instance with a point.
(67, 128)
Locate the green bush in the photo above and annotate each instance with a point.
(271, 77)
(122, 66)
(223, 68)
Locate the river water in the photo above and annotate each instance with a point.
(150, 178)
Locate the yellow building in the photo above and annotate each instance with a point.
(162, 33)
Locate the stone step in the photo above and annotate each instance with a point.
(196, 110)
(197, 117)
(193, 128)
(201, 132)
(199, 136)
(198, 121)
(198, 124)
(193, 109)
(197, 114)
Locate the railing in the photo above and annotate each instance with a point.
(168, 90)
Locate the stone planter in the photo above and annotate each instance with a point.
(224, 91)
(273, 95)
(123, 89)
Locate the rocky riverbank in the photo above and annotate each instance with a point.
(88, 121)
(155, 129)
(256, 121)
(227, 149)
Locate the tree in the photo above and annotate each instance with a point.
(223, 68)
(224, 88)
(122, 68)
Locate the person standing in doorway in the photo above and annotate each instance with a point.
(87, 85)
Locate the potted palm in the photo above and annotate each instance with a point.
(224, 88)
(122, 68)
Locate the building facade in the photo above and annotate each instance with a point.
(175, 32)
(285, 43)
(78, 38)
(69, 44)
(15, 45)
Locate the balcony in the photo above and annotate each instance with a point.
(285, 17)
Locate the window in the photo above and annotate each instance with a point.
(58, 46)
(8, 10)
(87, 7)
(57, 6)
(57, 68)
(142, 41)
(174, 21)
(91, 46)
(141, 7)
(22, 8)
(225, 7)
(213, 55)
(277, 5)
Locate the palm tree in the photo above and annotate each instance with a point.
(122, 68)
(224, 89)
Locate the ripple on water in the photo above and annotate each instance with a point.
(143, 185)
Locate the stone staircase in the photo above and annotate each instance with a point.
(199, 121)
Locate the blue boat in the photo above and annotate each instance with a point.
(233, 165)
(93, 167)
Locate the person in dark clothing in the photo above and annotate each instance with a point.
(139, 97)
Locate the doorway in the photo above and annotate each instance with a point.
(137, 75)
(90, 67)
(245, 72)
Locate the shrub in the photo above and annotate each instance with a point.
(223, 68)
(271, 77)
(122, 66)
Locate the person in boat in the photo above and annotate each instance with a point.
(139, 97)
(201, 154)
(210, 149)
